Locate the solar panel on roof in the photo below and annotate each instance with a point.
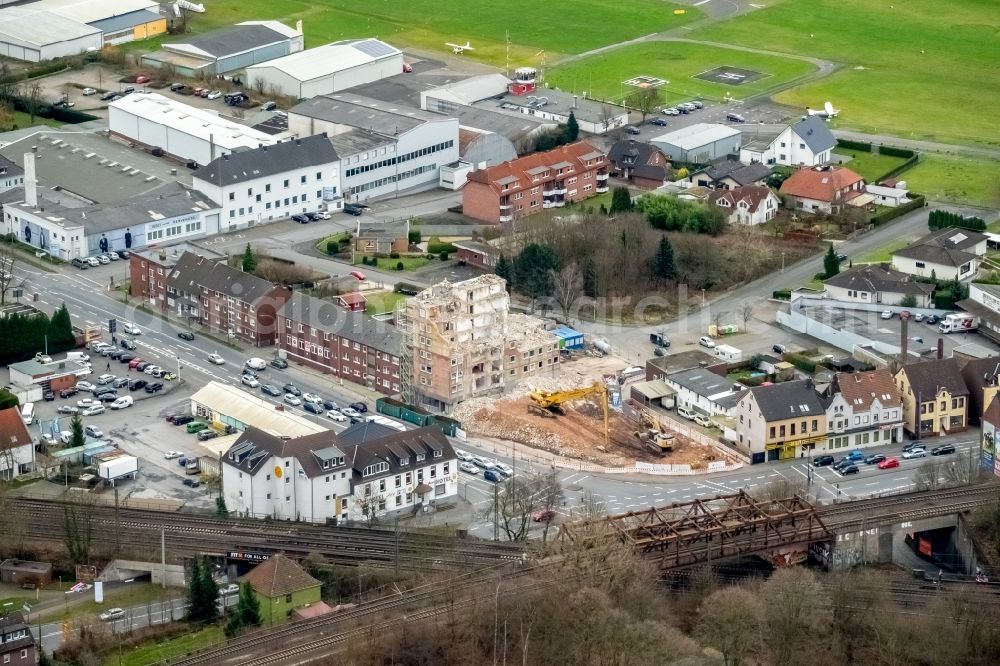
(374, 48)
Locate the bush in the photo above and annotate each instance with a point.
(782, 294)
(435, 246)
(414, 236)
(429, 256)
(394, 255)
(407, 289)
(373, 262)
(443, 256)
(399, 265)
(888, 214)
(895, 152)
(854, 145)
(332, 247)
(364, 260)
(803, 363)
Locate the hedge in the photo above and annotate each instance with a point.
(892, 151)
(803, 363)
(888, 214)
(435, 246)
(854, 145)
(782, 294)
(891, 173)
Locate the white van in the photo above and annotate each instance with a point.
(685, 412)
(28, 413)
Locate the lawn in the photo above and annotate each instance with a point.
(133, 594)
(870, 167)
(601, 76)
(913, 69)
(410, 263)
(321, 243)
(956, 179)
(883, 254)
(533, 26)
(167, 649)
(381, 302)
(22, 120)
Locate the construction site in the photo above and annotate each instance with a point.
(565, 414)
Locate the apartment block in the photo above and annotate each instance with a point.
(935, 398)
(224, 299)
(349, 345)
(149, 269)
(535, 182)
(17, 646)
(462, 342)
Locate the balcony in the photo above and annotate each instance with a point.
(557, 190)
(601, 189)
(506, 218)
(602, 176)
(505, 207)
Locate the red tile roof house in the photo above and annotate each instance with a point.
(354, 301)
(822, 189)
(16, 448)
(532, 183)
(750, 205)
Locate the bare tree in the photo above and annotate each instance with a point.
(963, 470)
(8, 85)
(644, 100)
(78, 521)
(746, 313)
(280, 272)
(567, 285)
(718, 316)
(790, 599)
(730, 620)
(928, 475)
(780, 488)
(516, 499)
(607, 117)
(548, 496)
(32, 96)
(7, 264)
(370, 504)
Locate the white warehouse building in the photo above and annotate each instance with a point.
(326, 69)
(384, 150)
(181, 131)
(273, 182)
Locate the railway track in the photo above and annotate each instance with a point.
(911, 506)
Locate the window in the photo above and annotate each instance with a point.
(232, 196)
(919, 264)
(286, 182)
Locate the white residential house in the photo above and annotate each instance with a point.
(368, 469)
(808, 142)
(17, 451)
(888, 196)
(749, 205)
(704, 391)
(274, 182)
(878, 284)
(947, 254)
(865, 409)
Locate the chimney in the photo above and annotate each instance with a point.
(904, 324)
(30, 180)
(940, 348)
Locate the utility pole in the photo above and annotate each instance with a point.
(496, 514)
(118, 526)
(163, 563)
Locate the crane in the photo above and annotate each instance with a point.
(552, 399)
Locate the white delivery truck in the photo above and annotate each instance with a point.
(112, 469)
(958, 322)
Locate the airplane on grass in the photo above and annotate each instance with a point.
(826, 113)
(460, 48)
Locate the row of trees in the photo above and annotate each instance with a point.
(23, 336)
(203, 599)
(942, 219)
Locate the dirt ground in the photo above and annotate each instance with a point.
(579, 431)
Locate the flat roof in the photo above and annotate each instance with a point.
(697, 135)
(126, 21)
(254, 411)
(702, 381)
(356, 141)
(347, 108)
(653, 389)
(557, 102)
(201, 123)
(89, 11)
(334, 57)
(175, 251)
(472, 89)
(30, 26)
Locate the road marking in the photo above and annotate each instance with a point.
(703, 2)
(582, 478)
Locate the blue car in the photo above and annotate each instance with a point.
(491, 475)
(856, 454)
(311, 408)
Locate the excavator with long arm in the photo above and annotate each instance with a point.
(551, 400)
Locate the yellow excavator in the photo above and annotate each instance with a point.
(551, 400)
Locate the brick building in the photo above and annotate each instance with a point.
(462, 342)
(225, 299)
(149, 269)
(535, 182)
(17, 646)
(347, 344)
(642, 164)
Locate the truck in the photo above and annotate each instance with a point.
(115, 468)
(659, 339)
(958, 323)
(728, 353)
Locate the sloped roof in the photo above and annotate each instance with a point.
(519, 172)
(860, 389)
(946, 247)
(751, 195)
(879, 277)
(265, 160)
(698, 135)
(815, 133)
(929, 377)
(787, 400)
(329, 58)
(13, 432)
(229, 41)
(278, 576)
(191, 272)
(331, 318)
(254, 411)
(744, 174)
(992, 412)
(378, 443)
(819, 183)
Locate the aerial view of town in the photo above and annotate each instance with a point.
(443, 333)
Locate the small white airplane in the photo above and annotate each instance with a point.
(826, 113)
(460, 48)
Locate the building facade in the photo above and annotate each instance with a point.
(947, 254)
(273, 182)
(935, 398)
(149, 269)
(864, 409)
(280, 586)
(17, 645)
(349, 345)
(780, 422)
(17, 450)
(536, 182)
(878, 284)
(225, 300)
(808, 142)
(749, 205)
(700, 143)
(462, 343)
(822, 189)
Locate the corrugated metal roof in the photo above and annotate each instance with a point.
(697, 135)
(36, 28)
(253, 411)
(88, 11)
(329, 58)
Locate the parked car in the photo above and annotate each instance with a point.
(849, 469)
(105, 379)
(688, 106)
(336, 416)
(916, 452)
(706, 341)
(132, 329)
(359, 406)
(191, 483)
(68, 392)
(492, 475)
(822, 461)
(932, 319)
(93, 410)
(313, 398)
(108, 396)
(888, 463)
(151, 369)
(358, 275)
(170, 455)
(85, 386)
(195, 426)
(112, 614)
(659, 122)
(216, 359)
(886, 314)
(632, 129)
(247, 380)
(505, 468)
(270, 389)
(232, 588)
(670, 111)
(87, 92)
(480, 461)
(77, 262)
(68, 409)
(215, 94)
(292, 389)
(943, 450)
(350, 413)
(913, 445)
(122, 402)
(290, 399)
(93, 431)
(127, 344)
(93, 262)
(186, 335)
(134, 363)
(469, 468)
(320, 215)
(182, 419)
(779, 349)
(735, 118)
(330, 404)
(137, 384)
(120, 382)
(155, 387)
(351, 209)
(464, 456)
(874, 459)
(279, 363)
(301, 219)
(48, 396)
(312, 408)
(698, 104)
(206, 435)
(108, 96)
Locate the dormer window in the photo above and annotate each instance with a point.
(420, 457)
(404, 461)
(437, 454)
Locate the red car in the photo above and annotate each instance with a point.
(134, 362)
(359, 275)
(407, 68)
(543, 515)
(888, 463)
(142, 79)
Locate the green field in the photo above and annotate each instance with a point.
(383, 302)
(922, 68)
(532, 25)
(884, 253)
(159, 651)
(601, 76)
(957, 179)
(870, 167)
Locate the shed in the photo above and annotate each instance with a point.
(354, 301)
(20, 572)
(568, 337)
(652, 392)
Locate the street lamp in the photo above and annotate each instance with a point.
(703, 297)
(782, 262)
